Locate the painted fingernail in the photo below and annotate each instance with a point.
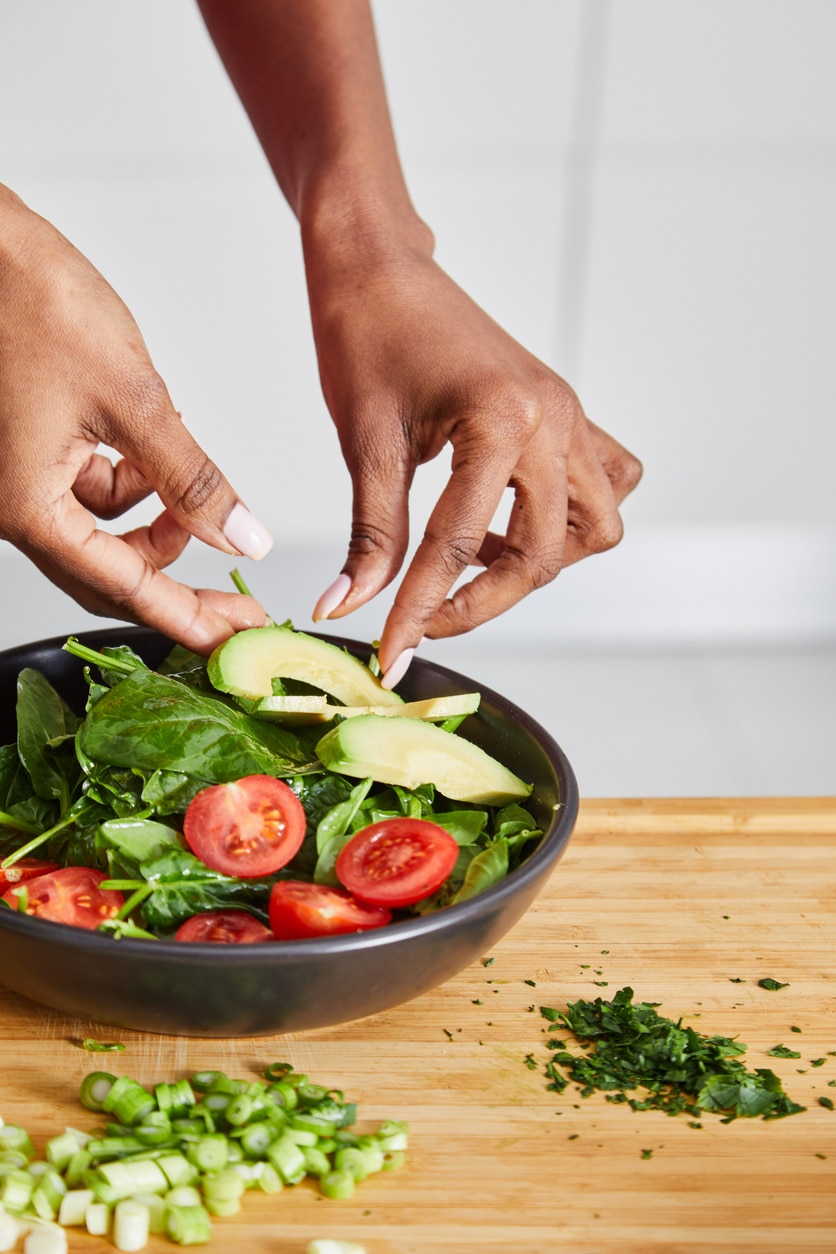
(332, 597)
(246, 533)
(398, 669)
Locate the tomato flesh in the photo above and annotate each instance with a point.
(247, 828)
(299, 910)
(26, 869)
(397, 862)
(225, 927)
(71, 895)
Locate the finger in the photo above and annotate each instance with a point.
(160, 543)
(623, 470)
(107, 490)
(110, 577)
(379, 530)
(187, 481)
(452, 541)
(529, 556)
(593, 521)
(563, 511)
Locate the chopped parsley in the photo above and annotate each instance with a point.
(772, 985)
(781, 1051)
(632, 1047)
(826, 1102)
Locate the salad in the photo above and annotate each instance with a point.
(273, 792)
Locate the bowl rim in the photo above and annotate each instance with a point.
(548, 851)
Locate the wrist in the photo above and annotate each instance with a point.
(348, 219)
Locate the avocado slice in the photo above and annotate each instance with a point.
(411, 752)
(246, 664)
(314, 709)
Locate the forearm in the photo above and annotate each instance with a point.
(309, 77)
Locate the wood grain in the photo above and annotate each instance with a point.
(678, 899)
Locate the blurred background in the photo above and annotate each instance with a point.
(642, 192)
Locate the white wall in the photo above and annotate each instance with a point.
(642, 191)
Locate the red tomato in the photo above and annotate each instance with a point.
(247, 828)
(71, 895)
(229, 927)
(397, 861)
(299, 910)
(26, 869)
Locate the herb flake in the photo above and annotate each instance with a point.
(631, 1047)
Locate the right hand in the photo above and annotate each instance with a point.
(75, 373)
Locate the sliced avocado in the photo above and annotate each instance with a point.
(313, 709)
(246, 664)
(411, 752)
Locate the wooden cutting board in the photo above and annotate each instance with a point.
(688, 902)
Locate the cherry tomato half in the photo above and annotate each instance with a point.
(225, 927)
(299, 910)
(248, 828)
(71, 895)
(397, 861)
(26, 869)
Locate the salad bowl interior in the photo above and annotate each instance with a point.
(203, 989)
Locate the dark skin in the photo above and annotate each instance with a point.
(408, 364)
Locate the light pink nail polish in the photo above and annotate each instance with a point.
(398, 669)
(332, 597)
(246, 533)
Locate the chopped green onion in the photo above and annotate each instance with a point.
(13, 1137)
(210, 1153)
(287, 1158)
(188, 1225)
(95, 1088)
(338, 1185)
(97, 1219)
(46, 1238)
(327, 1245)
(155, 1206)
(131, 1225)
(18, 1187)
(256, 1138)
(73, 1208)
(204, 1080)
(184, 1196)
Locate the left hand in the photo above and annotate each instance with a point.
(408, 363)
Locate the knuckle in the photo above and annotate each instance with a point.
(453, 555)
(627, 473)
(602, 533)
(535, 569)
(143, 395)
(203, 482)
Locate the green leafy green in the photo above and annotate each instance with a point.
(771, 985)
(675, 1067)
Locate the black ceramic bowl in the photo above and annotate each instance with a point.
(251, 990)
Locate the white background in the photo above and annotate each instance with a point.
(644, 193)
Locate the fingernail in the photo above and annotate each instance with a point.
(398, 669)
(332, 597)
(246, 533)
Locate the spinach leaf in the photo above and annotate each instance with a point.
(149, 722)
(46, 729)
(182, 886)
(140, 839)
(334, 831)
(487, 868)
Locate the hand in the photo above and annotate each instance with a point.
(409, 363)
(74, 373)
